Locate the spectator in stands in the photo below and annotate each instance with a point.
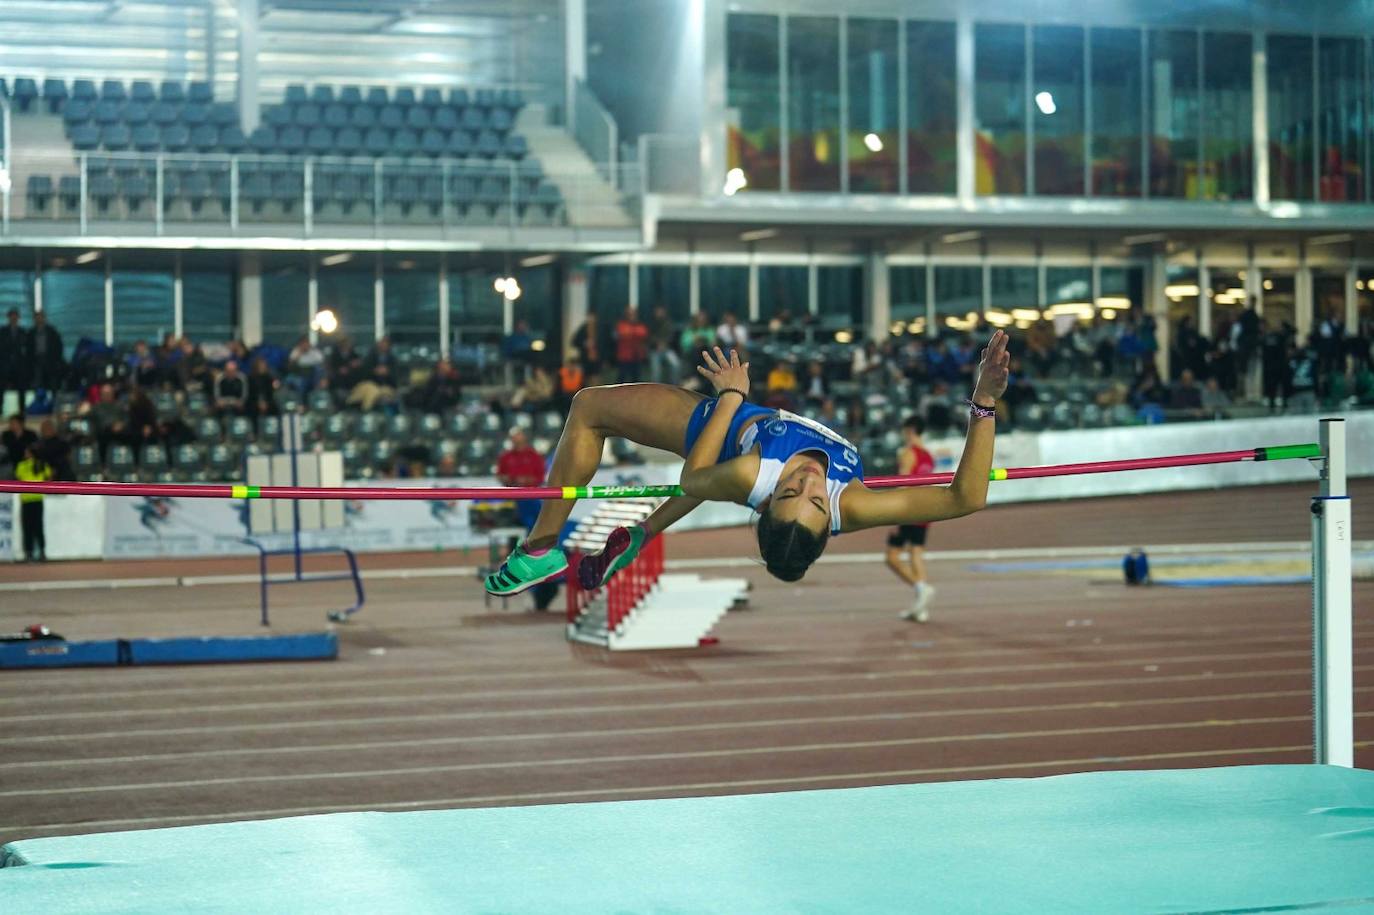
(865, 362)
(631, 346)
(1102, 339)
(731, 333)
(304, 364)
(518, 345)
(665, 366)
(262, 392)
(32, 469)
(1040, 343)
(142, 365)
(230, 391)
(1186, 396)
(1364, 385)
(698, 335)
(1328, 341)
(1245, 342)
(45, 343)
(447, 467)
(442, 390)
(55, 451)
(521, 465)
(536, 392)
(344, 365)
(16, 359)
(16, 440)
(143, 427)
(816, 389)
(108, 418)
(827, 415)
(782, 377)
(193, 369)
(570, 381)
(593, 345)
(378, 382)
(1302, 379)
(1020, 392)
(936, 406)
(1274, 366)
(1148, 389)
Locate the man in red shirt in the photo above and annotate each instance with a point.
(521, 465)
(631, 345)
(906, 553)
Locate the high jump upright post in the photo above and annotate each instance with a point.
(1333, 687)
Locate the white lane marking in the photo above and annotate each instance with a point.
(813, 663)
(704, 705)
(610, 759)
(658, 685)
(551, 736)
(172, 581)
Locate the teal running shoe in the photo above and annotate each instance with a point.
(621, 548)
(521, 571)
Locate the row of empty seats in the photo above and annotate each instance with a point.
(25, 92)
(296, 140)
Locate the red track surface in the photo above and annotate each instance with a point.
(438, 702)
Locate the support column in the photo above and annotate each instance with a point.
(1332, 606)
(378, 299)
(1302, 300)
(248, 93)
(445, 321)
(1352, 300)
(713, 129)
(964, 135)
(574, 300)
(250, 299)
(178, 299)
(1157, 304)
(575, 53)
(1259, 119)
(312, 295)
(1204, 298)
(877, 296)
(109, 298)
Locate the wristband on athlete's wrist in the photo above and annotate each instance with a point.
(978, 411)
(742, 395)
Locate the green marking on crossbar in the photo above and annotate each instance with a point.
(1287, 452)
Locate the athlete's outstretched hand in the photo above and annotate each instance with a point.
(725, 373)
(992, 371)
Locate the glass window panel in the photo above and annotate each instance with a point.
(540, 301)
(931, 108)
(477, 310)
(143, 307)
(1280, 301)
(74, 300)
(1000, 108)
(1117, 113)
(1229, 137)
(411, 300)
(1068, 284)
(1057, 108)
(907, 287)
(813, 103)
(1342, 110)
(209, 305)
(16, 291)
(840, 296)
(872, 142)
(347, 291)
(1181, 288)
(1173, 114)
(1121, 291)
(608, 288)
(287, 288)
(1228, 297)
(782, 289)
(958, 292)
(1014, 287)
(724, 289)
(1289, 81)
(753, 99)
(1364, 304)
(669, 287)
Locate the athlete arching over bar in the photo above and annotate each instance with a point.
(806, 481)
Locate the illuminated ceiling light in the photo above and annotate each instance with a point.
(898, 327)
(1026, 314)
(998, 318)
(89, 257)
(335, 260)
(915, 327)
(843, 336)
(758, 234)
(735, 181)
(955, 238)
(1268, 284)
(1240, 275)
(1181, 290)
(873, 142)
(538, 260)
(538, 346)
(405, 265)
(500, 284)
(1334, 239)
(325, 322)
(1118, 302)
(1146, 239)
(1045, 102)
(1109, 314)
(1359, 284)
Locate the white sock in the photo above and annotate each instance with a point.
(921, 587)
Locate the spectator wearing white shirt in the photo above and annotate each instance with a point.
(732, 334)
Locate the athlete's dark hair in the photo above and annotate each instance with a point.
(788, 547)
(915, 424)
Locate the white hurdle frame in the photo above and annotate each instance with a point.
(1333, 686)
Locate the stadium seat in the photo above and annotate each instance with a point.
(418, 117)
(458, 98)
(263, 140)
(405, 143)
(39, 194)
(205, 138)
(191, 459)
(276, 115)
(142, 91)
(55, 93)
(484, 98)
(225, 463)
(322, 95)
(370, 425)
(196, 189)
(288, 189)
(462, 192)
(350, 95)
(432, 97)
(357, 462)
(432, 143)
(223, 114)
(136, 113)
(296, 95)
(291, 139)
(4, 88)
(445, 118)
(25, 93)
(69, 193)
(335, 116)
(138, 189)
(269, 431)
(200, 93)
(364, 117)
(404, 96)
(460, 144)
(112, 90)
(172, 92)
(85, 90)
(377, 96)
(195, 114)
(320, 141)
(85, 137)
(164, 113)
(473, 119)
(175, 138)
(405, 192)
(377, 142)
(115, 137)
(154, 458)
(500, 120)
(120, 461)
(391, 117)
(108, 112)
(76, 112)
(488, 145)
(510, 99)
(548, 199)
(516, 147)
(307, 115)
(232, 140)
(145, 138)
(86, 462)
(207, 429)
(239, 429)
(348, 141)
(256, 189)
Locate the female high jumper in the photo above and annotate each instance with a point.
(804, 480)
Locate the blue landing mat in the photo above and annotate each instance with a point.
(1248, 839)
(211, 650)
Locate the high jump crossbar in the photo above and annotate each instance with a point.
(441, 493)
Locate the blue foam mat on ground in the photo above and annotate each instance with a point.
(1226, 840)
(210, 650)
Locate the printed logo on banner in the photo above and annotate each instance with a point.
(446, 513)
(154, 513)
(6, 527)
